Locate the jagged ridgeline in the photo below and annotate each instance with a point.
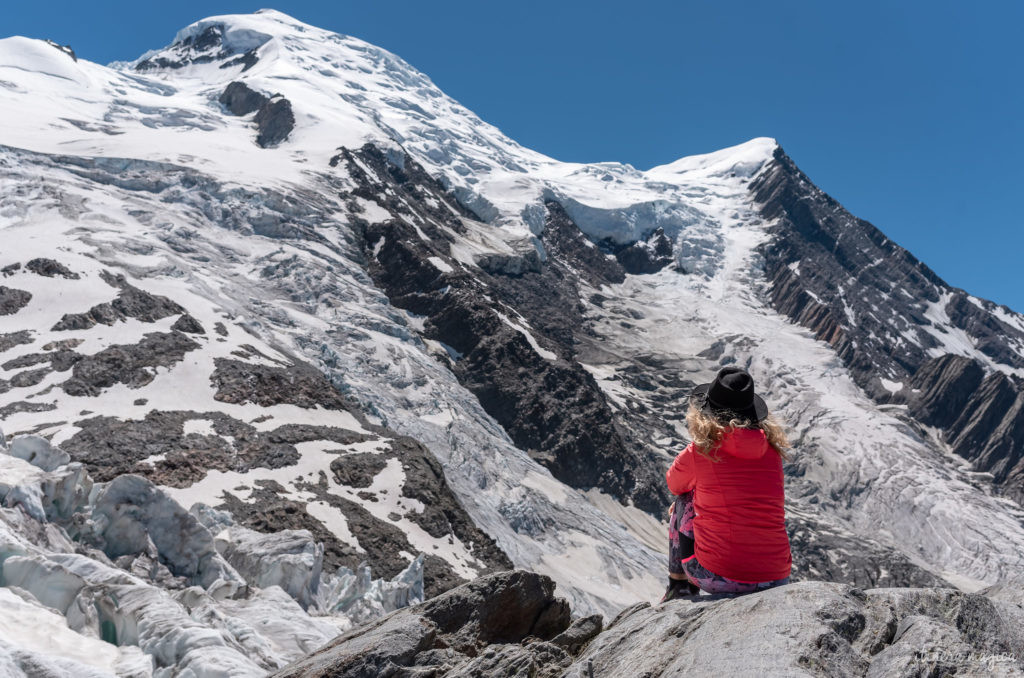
(289, 339)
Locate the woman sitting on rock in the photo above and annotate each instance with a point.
(727, 531)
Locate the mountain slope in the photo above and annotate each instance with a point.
(276, 271)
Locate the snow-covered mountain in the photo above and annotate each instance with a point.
(270, 280)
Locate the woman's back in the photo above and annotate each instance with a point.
(740, 528)
(727, 530)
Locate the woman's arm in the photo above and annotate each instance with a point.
(681, 476)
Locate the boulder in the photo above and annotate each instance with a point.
(493, 626)
(811, 628)
(504, 625)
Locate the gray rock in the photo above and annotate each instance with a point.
(299, 384)
(493, 627)
(9, 340)
(186, 323)
(129, 364)
(13, 300)
(274, 118)
(240, 99)
(582, 631)
(477, 629)
(50, 269)
(809, 628)
(131, 302)
(275, 121)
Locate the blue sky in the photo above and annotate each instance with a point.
(909, 113)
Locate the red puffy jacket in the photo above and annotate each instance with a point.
(739, 528)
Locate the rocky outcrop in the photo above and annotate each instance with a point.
(940, 389)
(13, 300)
(275, 121)
(188, 325)
(9, 340)
(299, 384)
(274, 117)
(240, 99)
(130, 364)
(49, 268)
(131, 302)
(504, 624)
(647, 255)
(510, 624)
(815, 629)
(203, 47)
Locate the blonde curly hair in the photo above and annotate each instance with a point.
(707, 432)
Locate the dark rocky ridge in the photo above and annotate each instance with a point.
(298, 384)
(205, 47)
(552, 408)
(510, 624)
(9, 340)
(131, 302)
(127, 364)
(13, 300)
(49, 268)
(274, 117)
(506, 624)
(870, 300)
(647, 255)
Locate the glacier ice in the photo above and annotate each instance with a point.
(118, 579)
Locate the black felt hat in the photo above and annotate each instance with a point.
(730, 395)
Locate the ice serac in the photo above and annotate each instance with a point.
(118, 579)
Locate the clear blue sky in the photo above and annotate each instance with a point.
(909, 113)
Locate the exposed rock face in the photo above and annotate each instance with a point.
(510, 624)
(477, 629)
(241, 99)
(49, 268)
(812, 628)
(204, 46)
(9, 340)
(275, 122)
(940, 389)
(301, 385)
(274, 117)
(886, 314)
(648, 255)
(188, 325)
(13, 300)
(131, 302)
(130, 365)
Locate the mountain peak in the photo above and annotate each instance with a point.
(739, 160)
